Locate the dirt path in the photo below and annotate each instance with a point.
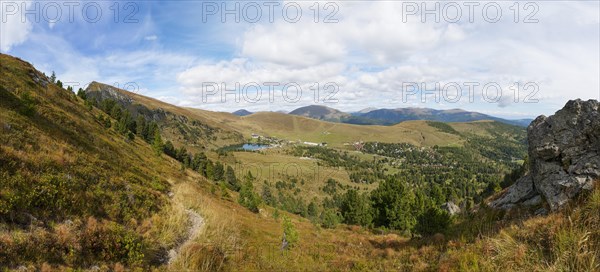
(197, 223)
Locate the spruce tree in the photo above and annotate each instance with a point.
(356, 209)
(218, 172)
(232, 179)
(81, 94)
(157, 144)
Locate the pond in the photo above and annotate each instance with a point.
(254, 147)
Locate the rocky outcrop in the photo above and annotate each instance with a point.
(450, 208)
(101, 92)
(564, 156)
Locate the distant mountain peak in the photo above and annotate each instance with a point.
(242, 112)
(320, 112)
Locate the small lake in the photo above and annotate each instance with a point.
(254, 147)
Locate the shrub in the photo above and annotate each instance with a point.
(432, 221)
(248, 198)
(290, 234)
(27, 104)
(329, 219)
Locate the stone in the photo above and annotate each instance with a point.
(564, 155)
(451, 208)
(519, 192)
(534, 201)
(541, 211)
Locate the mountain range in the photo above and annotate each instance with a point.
(375, 116)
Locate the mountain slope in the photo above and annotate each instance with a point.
(198, 131)
(73, 192)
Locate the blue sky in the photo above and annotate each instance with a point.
(359, 54)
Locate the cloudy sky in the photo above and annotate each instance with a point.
(508, 59)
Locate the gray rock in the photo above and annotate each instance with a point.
(540, 211)
(451, 208)
(100, 92)
(564, 155)
(534, 201)
(519, 192)
(564, 152)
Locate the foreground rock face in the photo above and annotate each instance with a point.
(564, 155)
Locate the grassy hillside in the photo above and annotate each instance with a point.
(195, 130)
(336, 134)
(72, 191)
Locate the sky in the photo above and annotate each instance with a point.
(508, 59)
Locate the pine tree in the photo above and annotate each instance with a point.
(231, 179)
(267, 196)
(53, 77)
(248, 198)
(312, 209)
(81, 93)
(356, 209)
(392, 204)
(290, 234)
(209, 170)
(157, 144)
(152, 129)
(123, 126)
(116, 112)
(329, 218)
(218, 172)
(199, 163)
(141, 127)
(169, 149)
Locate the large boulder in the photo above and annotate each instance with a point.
(564, 156)
(520, 192)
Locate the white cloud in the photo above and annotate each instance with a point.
(151, 38)
(12, 30)
(369, 54)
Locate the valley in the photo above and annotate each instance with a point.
(102, 179)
